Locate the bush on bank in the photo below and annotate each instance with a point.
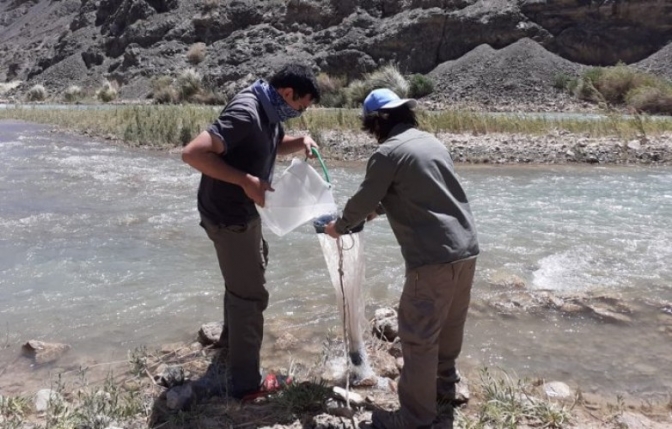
(621, 86)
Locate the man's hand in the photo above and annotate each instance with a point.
(309, 144)
(256, 188)
(292, 144)
(330, 230)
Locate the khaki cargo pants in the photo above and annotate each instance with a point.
(243, 255)
(432, 312)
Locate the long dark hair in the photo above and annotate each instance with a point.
(381, 122)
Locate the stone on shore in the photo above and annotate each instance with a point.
(630, 420)
(210, 332)
(179, 397)
(385, 324)
(343, 395)
(44, 397)
(557, 390)
(169, 376)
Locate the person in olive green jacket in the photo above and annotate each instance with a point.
(411, 179)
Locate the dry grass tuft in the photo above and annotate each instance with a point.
(36, 93)
(196, 53)
(73, 94)
(108, 92)
(386, 77)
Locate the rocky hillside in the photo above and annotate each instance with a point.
(64, 42)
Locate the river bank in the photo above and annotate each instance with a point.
(472, 138)
(558, 147)
(159, 388)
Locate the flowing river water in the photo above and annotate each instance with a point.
(100, 248)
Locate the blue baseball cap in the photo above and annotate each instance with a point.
(384, 98)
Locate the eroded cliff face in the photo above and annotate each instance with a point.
(71, 41)
(602, 32)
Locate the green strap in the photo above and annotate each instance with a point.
(324, 167)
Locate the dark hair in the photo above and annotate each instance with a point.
(298, 77)
(381, 122)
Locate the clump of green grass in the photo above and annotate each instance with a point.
(137, 125)
(420, 86)
(96, 407)
(36, 93)
(13, 410)
(108, 92)
(561, 81)
(305, 397)
(509, 403)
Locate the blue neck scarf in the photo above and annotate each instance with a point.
(284, 110)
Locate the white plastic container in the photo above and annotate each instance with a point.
(300, 196)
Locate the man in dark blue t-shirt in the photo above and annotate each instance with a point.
(236, 156)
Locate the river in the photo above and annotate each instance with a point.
(100, 248)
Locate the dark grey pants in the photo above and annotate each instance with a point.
(243, 256)
(432, 313)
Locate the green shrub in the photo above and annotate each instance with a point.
(593, 75)
(36, 93)
(561, 81)
(420, 85)
(108, 92)
(73, 94)
(187, 133)
(585, 90)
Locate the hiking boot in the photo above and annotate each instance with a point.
(446, 389)
(381, 419)
(446, 392)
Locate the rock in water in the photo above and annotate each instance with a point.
(44, 352)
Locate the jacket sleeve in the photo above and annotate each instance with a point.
(378, 179)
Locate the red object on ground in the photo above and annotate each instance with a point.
(270, 384)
